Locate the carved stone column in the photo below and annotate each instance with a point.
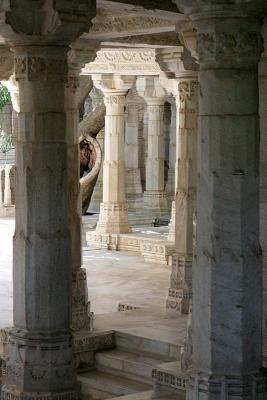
(227, 269)
(133, 176)
(40, 359)
(170, 186)
(263, 180)
(97, 197)
(155, 197)
(185, 90)
(144, 146)
(180, 292)
(113, 216)
(7, 191)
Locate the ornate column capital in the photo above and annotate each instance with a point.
(31, 23)
(228, 32)
(113, 84)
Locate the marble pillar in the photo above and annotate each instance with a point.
(97, 197)
(40, 359)
(155, 197)
(113, 216)
(170, 186)
(167, 133)
(133, 175)
(7, 191)
(144, 146)
(227, 268)
(82, 317)
(263, 179)
(180, 292)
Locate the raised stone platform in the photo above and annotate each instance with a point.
(150, 242)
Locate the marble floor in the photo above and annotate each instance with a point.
(113, 278)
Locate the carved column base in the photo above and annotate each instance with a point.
(39, 366)
(113, 218)
(171, 236)
(156, 202)
(247, 387)
(82, 317)
(180, 292)
(179, 300)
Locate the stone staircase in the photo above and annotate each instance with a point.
(127, 371)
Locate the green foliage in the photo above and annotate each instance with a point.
(4, 96)
(5, 142)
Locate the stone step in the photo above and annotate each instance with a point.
(148, 346)
(128, 365)
(98, 385)
(135, 396)
(148, 396)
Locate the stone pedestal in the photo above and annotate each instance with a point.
(133, 175)
(113, 216)
(227, 269)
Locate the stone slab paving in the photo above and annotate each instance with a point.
(113, 278)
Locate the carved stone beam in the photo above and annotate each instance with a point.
(124, 62)
(176, 62)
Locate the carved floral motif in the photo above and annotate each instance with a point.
(40, 68)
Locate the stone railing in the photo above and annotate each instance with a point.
(7, 184)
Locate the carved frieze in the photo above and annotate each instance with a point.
(229, 46)
(128, 23)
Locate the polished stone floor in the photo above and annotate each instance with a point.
(113, 278)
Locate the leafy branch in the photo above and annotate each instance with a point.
(4, 96)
